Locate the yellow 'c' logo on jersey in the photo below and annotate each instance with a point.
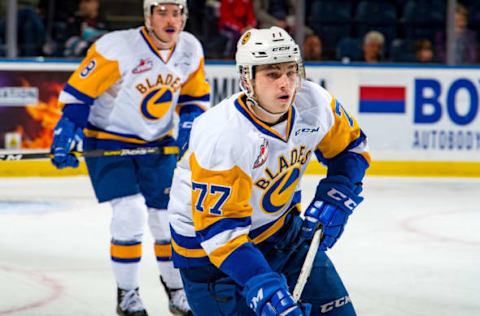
(156, 103)
(281, 191)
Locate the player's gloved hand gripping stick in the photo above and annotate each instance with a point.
(325, 219)
(335, 199)
(66, 137)
(267, 294)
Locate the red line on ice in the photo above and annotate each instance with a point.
(54, 286)
(408, 225)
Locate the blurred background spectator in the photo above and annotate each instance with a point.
(312, 48)
(55, 15)
(279, 13)
(236, 16)
(465, 40)
(30, 28)
(373, 44)
(340, 26)
(84, 28)
(423, 51)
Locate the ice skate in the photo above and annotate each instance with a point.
(129, 303)
(177, 301)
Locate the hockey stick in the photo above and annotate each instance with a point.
(140, 151)
(307, 265)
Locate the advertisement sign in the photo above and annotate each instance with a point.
(28, 104)
(427, 114)
(422, 115)
(409, 113)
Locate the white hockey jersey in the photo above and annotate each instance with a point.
(241, 177)
(133, 91)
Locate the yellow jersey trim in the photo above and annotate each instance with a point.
(275, 227)
(190, 253)
(265, 126)
(107, 136)
(154, 48)
(221, 253)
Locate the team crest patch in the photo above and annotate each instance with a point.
(262, 157)
(144, 65)
(245, 38)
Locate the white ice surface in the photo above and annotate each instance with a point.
(412, 248)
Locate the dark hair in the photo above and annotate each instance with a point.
(423, 44)
(461, 9)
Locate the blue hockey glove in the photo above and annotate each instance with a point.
(187, 115)
(66, 136)
(335, 199)
(267, 294)
(184, 129)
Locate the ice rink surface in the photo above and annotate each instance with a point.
(412, 248)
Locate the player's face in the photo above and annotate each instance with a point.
(167, 21)
(275, 86)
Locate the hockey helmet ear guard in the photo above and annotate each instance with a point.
(264, 47)
(148, 4)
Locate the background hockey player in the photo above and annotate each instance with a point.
(124, 95)
(239, 241)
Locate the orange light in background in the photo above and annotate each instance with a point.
(47, 113)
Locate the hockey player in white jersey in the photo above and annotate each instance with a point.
(237, 234)
(124, 95)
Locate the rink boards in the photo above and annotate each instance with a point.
(420, 120)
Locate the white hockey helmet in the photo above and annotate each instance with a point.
(148, 4)
(264, 47)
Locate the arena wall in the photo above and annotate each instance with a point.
(420, 120)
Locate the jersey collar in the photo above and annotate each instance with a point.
(153, 48)
(262, 127)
